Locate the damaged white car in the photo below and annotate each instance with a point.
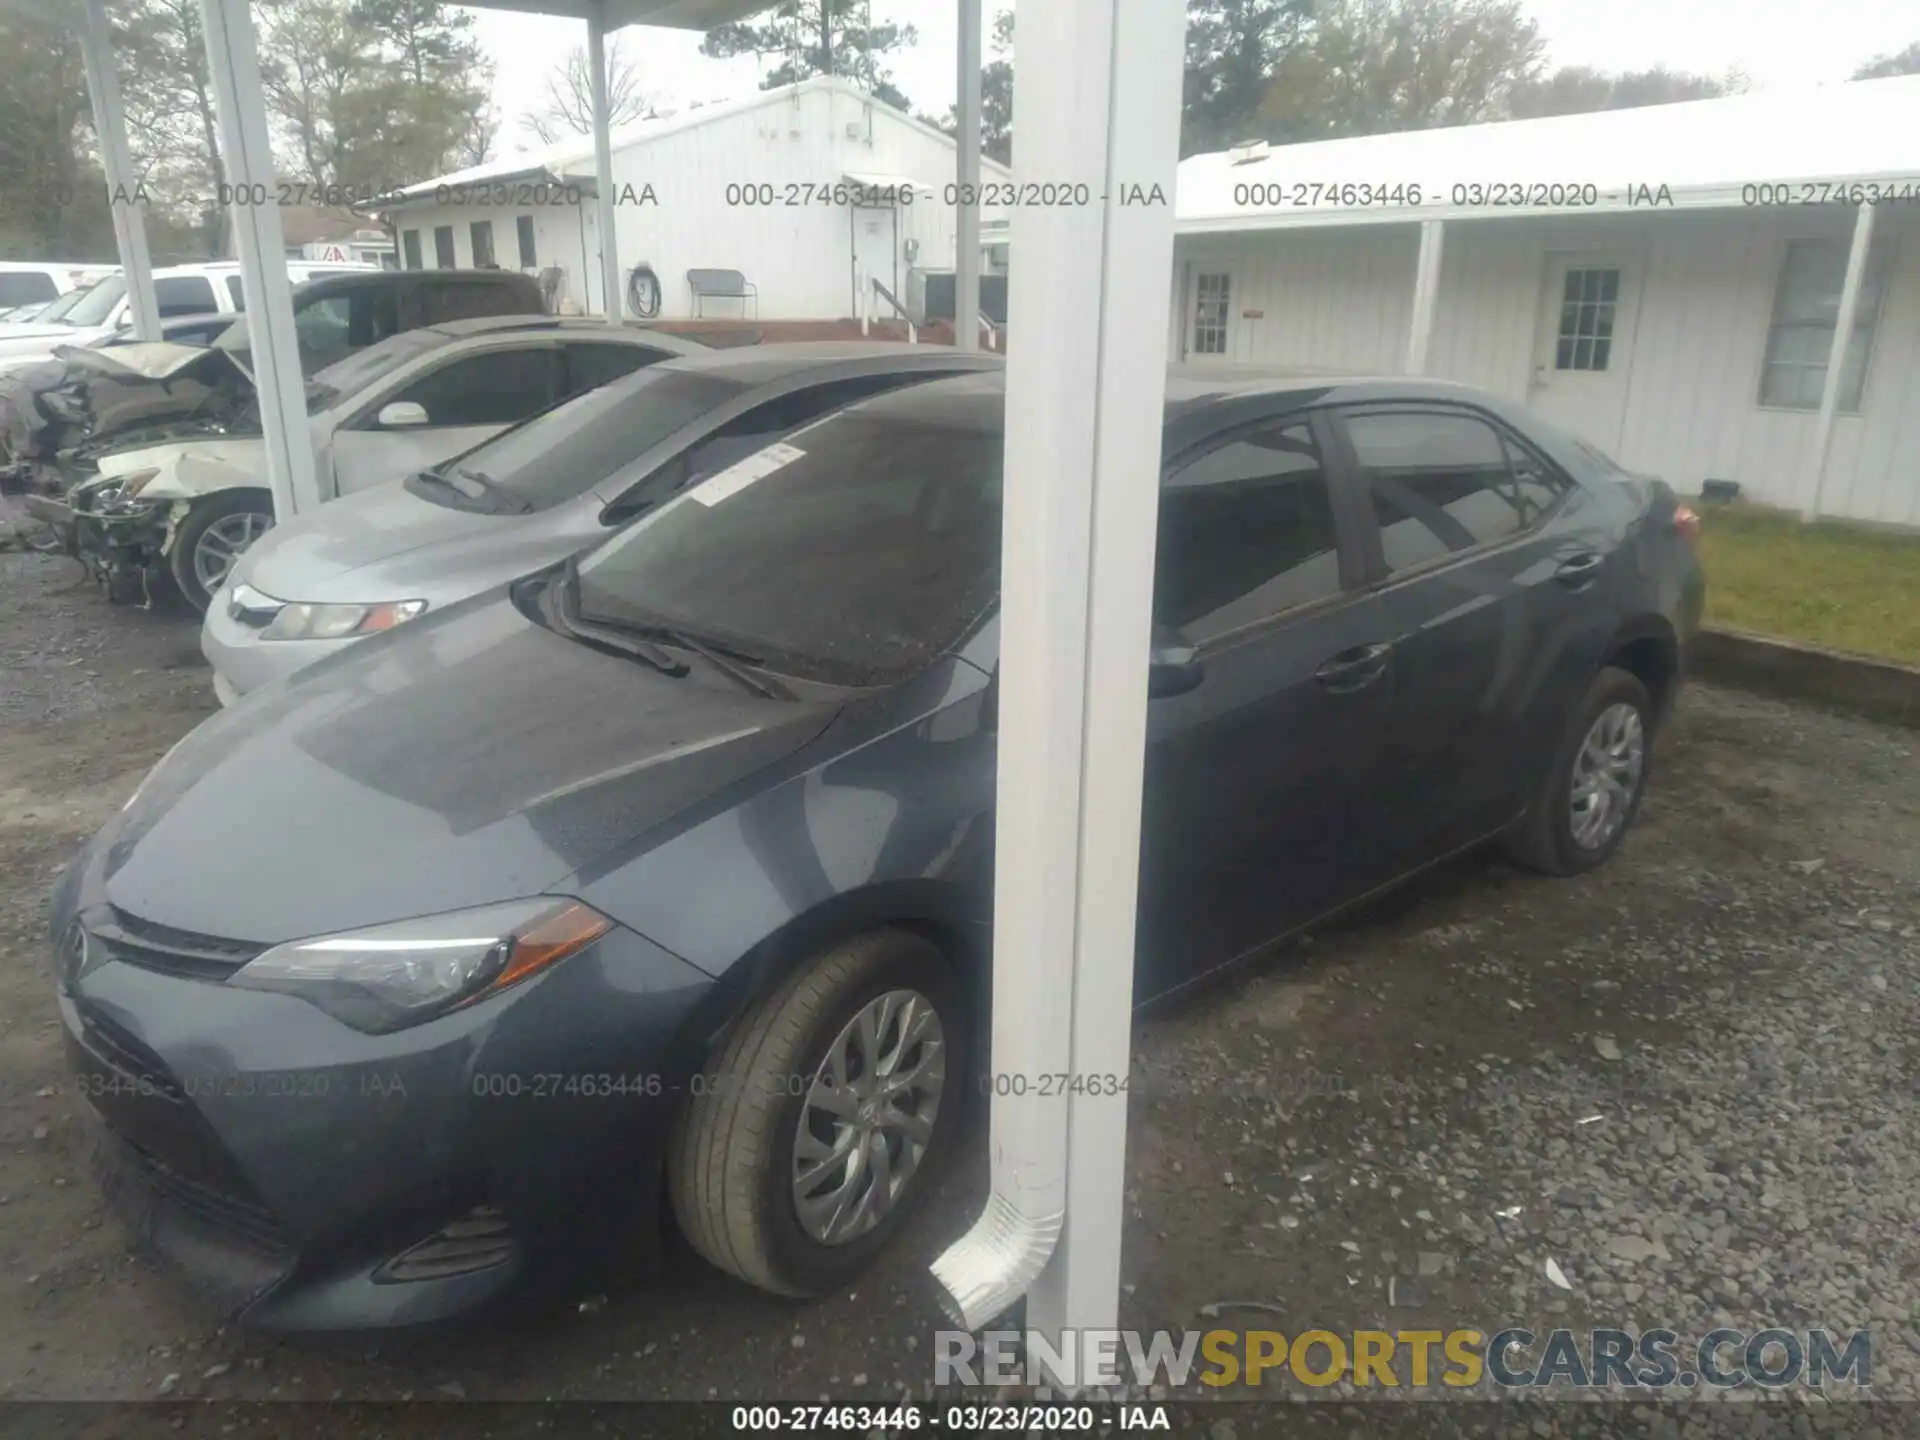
(178, 513)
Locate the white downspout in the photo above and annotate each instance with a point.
(1843, 324)
(1099, 101)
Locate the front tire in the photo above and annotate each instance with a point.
(216, 532)
(820, 1117)
(1584, 807)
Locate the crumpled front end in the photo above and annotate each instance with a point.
(121, 538)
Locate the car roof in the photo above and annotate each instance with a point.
(570, 324)
(757, 365)
(1197, 400)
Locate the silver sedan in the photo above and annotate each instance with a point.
(529, 497)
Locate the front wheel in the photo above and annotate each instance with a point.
(216, 532)
(814, 1128)
(1595, 781)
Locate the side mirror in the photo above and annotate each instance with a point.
(1173, 666)
(398, 414)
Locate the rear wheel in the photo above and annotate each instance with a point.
(815, 1126)
(1595, 782)
(216, 532)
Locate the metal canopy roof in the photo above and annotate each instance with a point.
(1705, 152)
(670, 14)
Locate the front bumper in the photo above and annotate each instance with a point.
(283, 1161)
(243, 662)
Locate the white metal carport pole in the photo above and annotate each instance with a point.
(233, 69)
(603, 163)
(129, 213)
(966, 210)
(1426, 294)
(1099, 102)
(1837, 355)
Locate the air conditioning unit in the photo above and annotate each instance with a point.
(1248, 152)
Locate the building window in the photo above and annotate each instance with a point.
(443, 247)
(523, 227)
(1210, 296)
(481, 232)
(1806, 307)
(1588, 299)
(410, 242)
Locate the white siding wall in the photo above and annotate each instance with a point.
(1340, 298)
(799, 256)
(556, 238)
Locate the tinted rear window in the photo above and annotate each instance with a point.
(852, 553)
(573, 447)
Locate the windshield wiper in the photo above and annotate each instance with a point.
(562, 610)
(729, 660)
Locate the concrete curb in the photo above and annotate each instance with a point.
(1860, 684)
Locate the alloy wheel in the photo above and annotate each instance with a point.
(222, 542)
(1606, 775)
(868, 1116)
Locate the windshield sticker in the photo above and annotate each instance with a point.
(735, 478)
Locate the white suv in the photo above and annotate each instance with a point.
(41, 282)
(82, 316)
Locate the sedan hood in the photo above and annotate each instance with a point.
(322, 556)
(458, 761)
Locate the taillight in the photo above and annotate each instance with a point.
(1686, 520)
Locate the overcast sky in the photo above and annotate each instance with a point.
(1779, 43)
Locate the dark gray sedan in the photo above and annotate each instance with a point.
(664, 876)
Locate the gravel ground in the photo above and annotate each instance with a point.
(1688, 1081)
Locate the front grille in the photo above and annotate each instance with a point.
(230, 1214)
(172, 952)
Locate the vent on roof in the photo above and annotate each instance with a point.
(1248, 152)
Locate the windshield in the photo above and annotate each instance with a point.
(571, 448)
(851, 554)
(363, 367)
(98, 302)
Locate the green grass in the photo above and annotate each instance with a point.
(1846, 587)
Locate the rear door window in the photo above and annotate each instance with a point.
(1443, 482)
(1247, 533)
(493, 387)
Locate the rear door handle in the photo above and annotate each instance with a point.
(1354, 668)
(1579, 570)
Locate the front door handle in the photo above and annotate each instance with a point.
(1354, 668)
(1579, 571)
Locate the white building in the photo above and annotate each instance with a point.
(792, 188)
(1666, 281)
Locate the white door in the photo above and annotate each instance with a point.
(1209, 301)
(1583, 342)
(873, 252)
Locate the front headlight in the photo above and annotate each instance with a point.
(297, 621)
(391, 976)
(134, 481)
